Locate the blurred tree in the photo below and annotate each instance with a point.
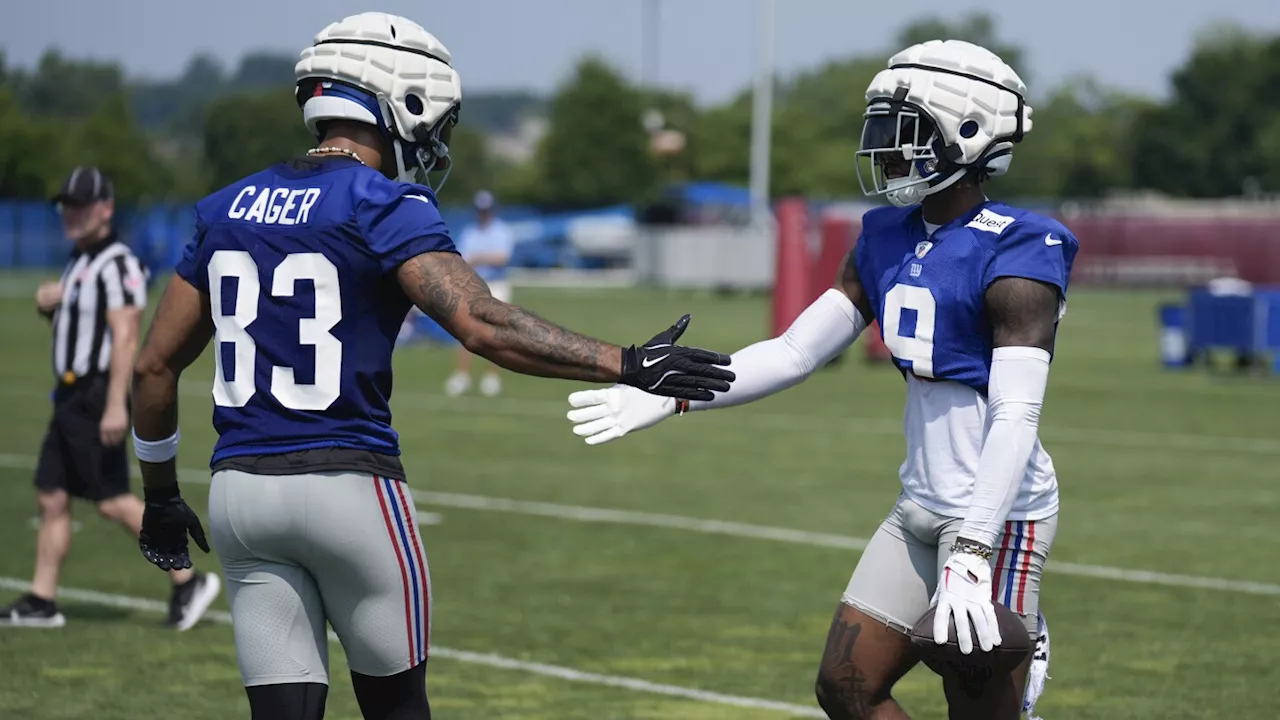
(474, 168)
(1214, 133)
(37, 153)
(518, 184)
(1078, 146)
(31, 152)
(178, 106)
(112, 141)
(817, 126)
(499, 111)
(720, 140)
(596, 152)
(1270, 150)
(246, 132)
(67, 88)
(258, 71)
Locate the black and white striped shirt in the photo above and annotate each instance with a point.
(104, 277)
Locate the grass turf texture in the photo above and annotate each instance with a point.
(1166, 472)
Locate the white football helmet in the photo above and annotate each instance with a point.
(387, 71)
(942, 109)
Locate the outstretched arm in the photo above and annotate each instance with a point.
(824, 330)
(446, 288)
(1024, 315)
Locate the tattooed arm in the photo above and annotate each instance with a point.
(447, 289)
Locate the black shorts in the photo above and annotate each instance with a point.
(72, 457)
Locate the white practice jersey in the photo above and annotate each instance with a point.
(945, 424)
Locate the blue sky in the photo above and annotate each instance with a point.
(706, 46)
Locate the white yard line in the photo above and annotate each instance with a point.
(487, 659)
(581, 513)
(630, 517)
(804, 537)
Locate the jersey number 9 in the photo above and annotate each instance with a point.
(314, 331)
(918, 347)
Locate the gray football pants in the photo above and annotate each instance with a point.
(898, 573)
(300, 550)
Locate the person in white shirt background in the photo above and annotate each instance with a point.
(486, 245)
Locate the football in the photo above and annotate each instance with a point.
(1015, 646)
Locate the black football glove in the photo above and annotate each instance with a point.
(166, 520)
(661, 367)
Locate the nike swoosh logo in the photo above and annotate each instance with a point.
(1050, 241)
(657, 347)
(423, 198)
(650, 362)
(662, 379)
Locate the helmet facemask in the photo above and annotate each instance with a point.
(900, 144)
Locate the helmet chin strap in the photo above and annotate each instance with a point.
(422, 160)
(404, 173)
(413, 158)
(914, 191)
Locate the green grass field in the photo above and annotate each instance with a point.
(1162, 473)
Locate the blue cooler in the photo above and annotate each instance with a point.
(1173, 336)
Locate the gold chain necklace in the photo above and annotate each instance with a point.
(341, 151)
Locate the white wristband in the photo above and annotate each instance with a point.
(156, 451)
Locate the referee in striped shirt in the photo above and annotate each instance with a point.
(95, 310)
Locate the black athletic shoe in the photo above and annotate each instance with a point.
(188, 602)
(32, 611)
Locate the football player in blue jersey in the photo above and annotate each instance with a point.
(968, 292)
(301, 275)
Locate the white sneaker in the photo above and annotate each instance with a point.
(458, 384)
(189, 603)
(490, 385)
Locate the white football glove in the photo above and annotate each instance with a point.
(964, 590)
(608, 414)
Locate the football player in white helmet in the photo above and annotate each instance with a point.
(301, 275)
(968, 293)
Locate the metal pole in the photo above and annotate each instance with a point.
(649, 45)
(762, 112)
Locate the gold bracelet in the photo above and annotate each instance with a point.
(971, 548)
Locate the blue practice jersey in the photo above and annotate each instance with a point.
(298, 262)
(928, 291)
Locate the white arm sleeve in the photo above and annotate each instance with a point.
(824, 330)
(1015, 394)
